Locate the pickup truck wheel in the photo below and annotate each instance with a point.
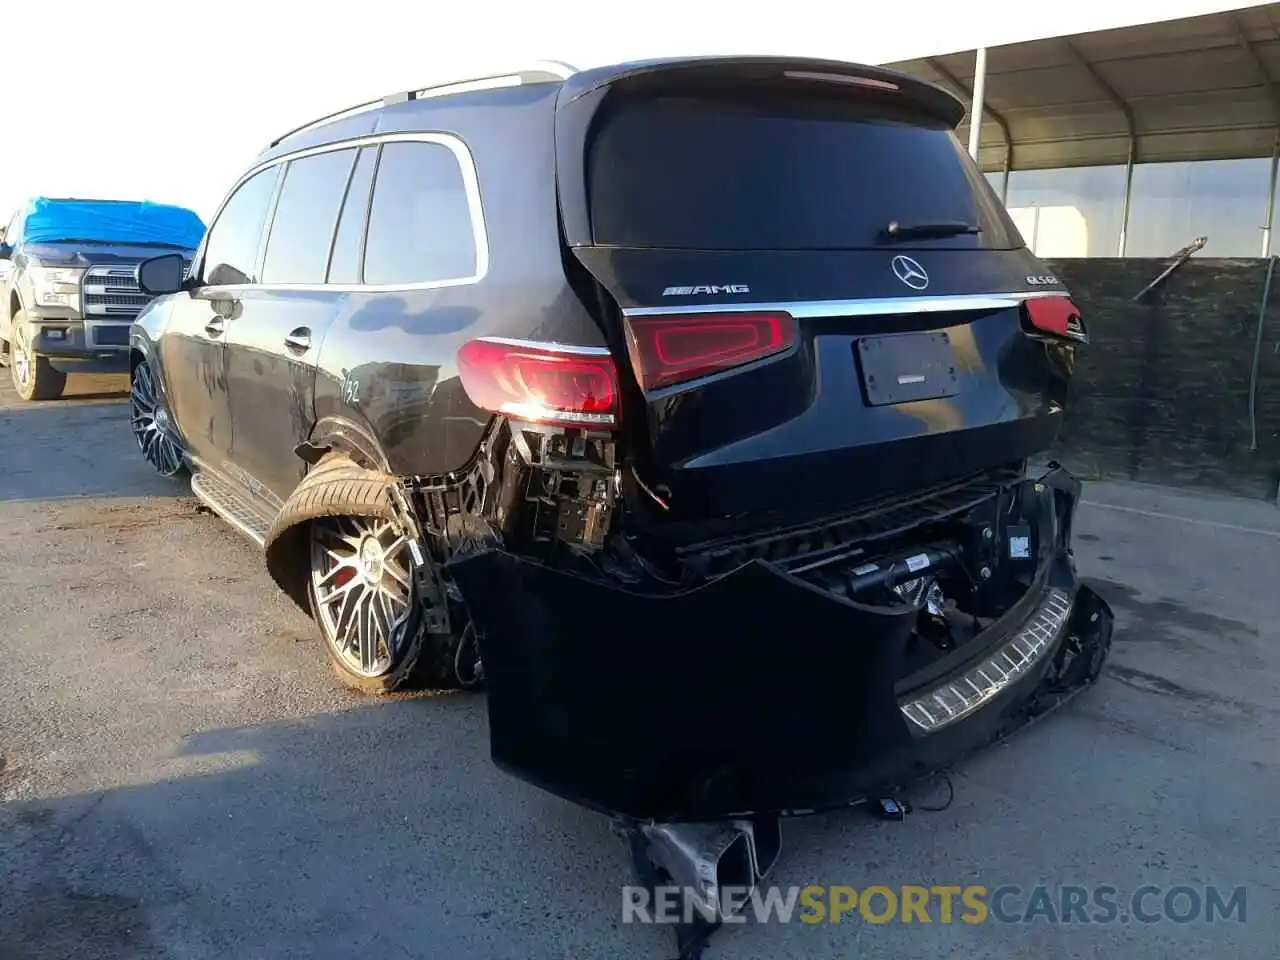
(149, 418)
(33, 376)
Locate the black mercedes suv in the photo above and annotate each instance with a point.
(691, 400)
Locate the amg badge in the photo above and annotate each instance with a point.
(694, 291)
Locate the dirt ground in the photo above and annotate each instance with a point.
(182, 777)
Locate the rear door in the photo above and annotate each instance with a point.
(192, 347)
(274, 340)
(818, 290)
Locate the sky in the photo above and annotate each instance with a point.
(170, 102)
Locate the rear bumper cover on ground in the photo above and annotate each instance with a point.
(757, 692)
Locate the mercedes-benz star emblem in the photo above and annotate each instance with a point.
(910, 272)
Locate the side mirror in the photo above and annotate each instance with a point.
(6, 251)
(160, 275)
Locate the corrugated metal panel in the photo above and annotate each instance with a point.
(1203, 88)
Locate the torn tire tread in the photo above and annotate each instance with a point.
(339, 487)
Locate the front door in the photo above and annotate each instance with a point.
(193, 361)
(193, 345)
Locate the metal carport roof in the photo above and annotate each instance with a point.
(1200, 88)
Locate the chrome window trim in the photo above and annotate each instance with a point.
(470, 184)
(873, 306)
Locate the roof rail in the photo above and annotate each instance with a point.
(337, 115)
(541, 71)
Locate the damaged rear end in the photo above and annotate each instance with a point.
(770, 545)
(819, 679)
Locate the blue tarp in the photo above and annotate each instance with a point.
(111, 221)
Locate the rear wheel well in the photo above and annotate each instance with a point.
(337, 486)
(287, 548)
(339, 436)
(136, 357)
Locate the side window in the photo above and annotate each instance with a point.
(306, 215)
(345, 265)
(420, 226)
(231, 250)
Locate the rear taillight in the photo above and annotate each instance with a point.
(1058, 316)
(666, 350)
(544, 383)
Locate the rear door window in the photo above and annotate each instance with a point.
(306, 216)
(231, 250)
(421, 226)
(715, 172)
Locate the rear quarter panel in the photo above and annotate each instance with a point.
(387, 371)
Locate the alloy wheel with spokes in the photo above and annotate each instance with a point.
(34, 377)
(149, 418)
(20, 361)
(360, 570)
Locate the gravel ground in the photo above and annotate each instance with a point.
(182, 777)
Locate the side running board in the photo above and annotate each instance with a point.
(228, 503)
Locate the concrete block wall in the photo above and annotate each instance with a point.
(1161, 395)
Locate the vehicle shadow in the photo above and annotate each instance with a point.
(378, 831)
(97, 395)
(79, 448)
(385, 831)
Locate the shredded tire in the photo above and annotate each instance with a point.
(338, 487)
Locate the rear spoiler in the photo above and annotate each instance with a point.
(929, 98)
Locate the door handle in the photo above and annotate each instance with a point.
(299, 339)
(215, 327)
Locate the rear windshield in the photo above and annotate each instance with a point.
(717, 173)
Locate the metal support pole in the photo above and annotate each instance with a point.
(975, 110)
(1128, 197)
(1271, 197)
(1008, 166)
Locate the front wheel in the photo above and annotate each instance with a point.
(149, 418)
(34, 377)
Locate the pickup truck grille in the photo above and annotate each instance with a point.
(111, 292)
